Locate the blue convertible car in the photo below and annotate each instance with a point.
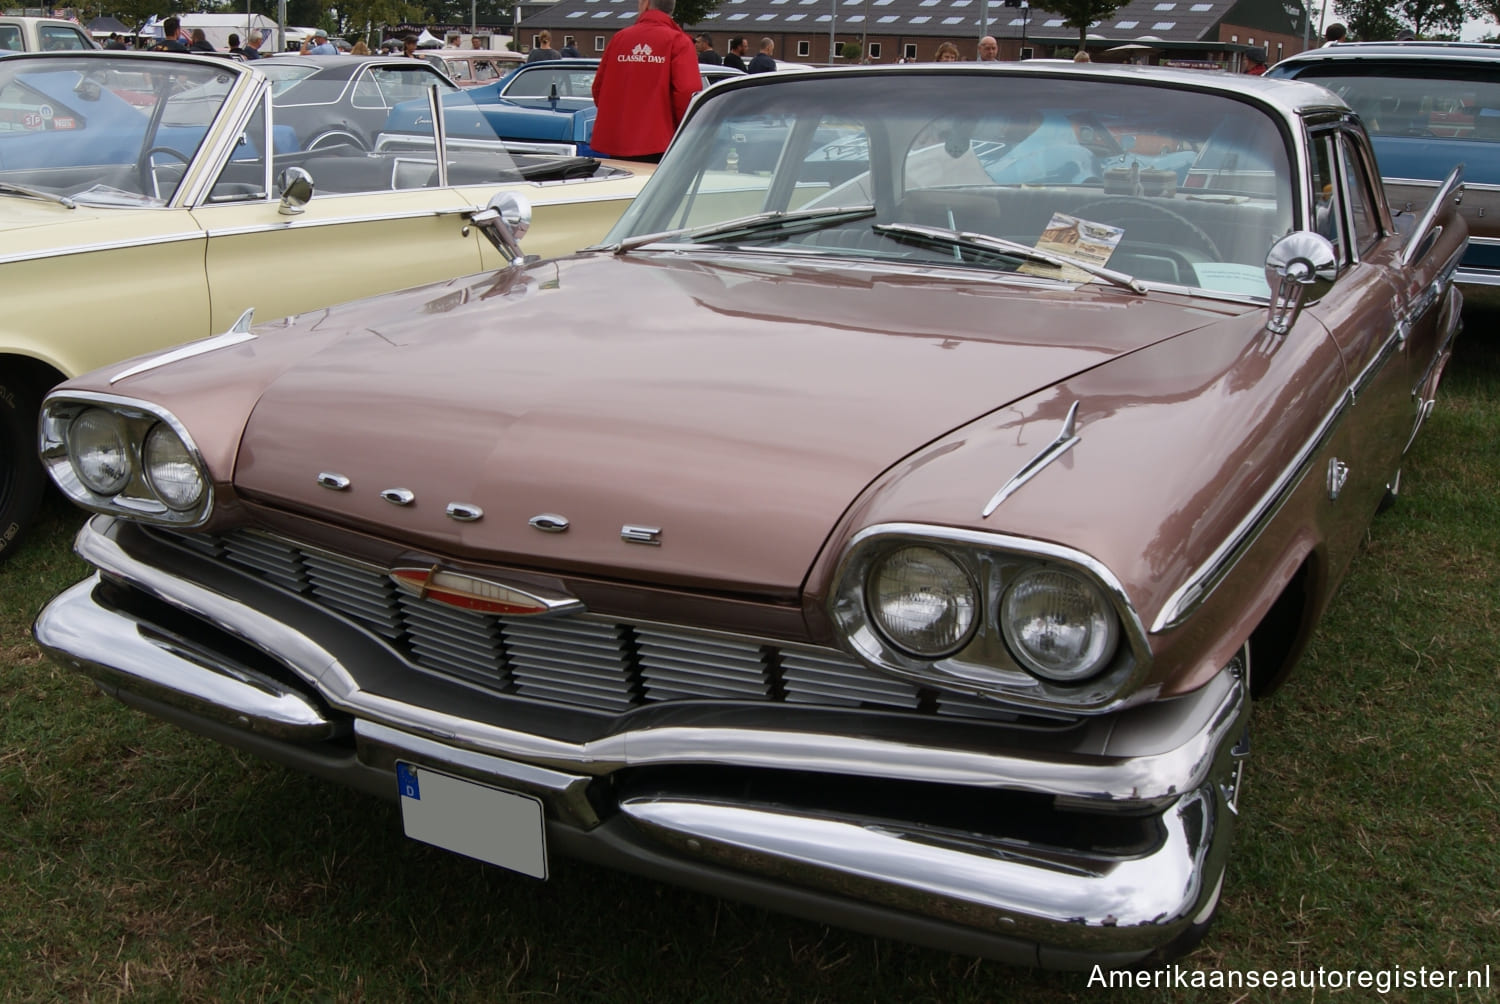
(544, 107)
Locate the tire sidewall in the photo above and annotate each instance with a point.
(22, 481)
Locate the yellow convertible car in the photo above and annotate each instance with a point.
(148, 199)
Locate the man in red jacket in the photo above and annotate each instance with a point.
(643, 85)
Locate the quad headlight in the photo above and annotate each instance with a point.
(121, 456)
(98, 451)
(923, 601)
(1015, 619)
(1058, 624)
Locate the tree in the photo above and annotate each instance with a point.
(1434, 16)
(690, 12)
(851, 51)
(1081, 14)
(1367, 20)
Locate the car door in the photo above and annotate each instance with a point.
(375, 224)
(1370, 314)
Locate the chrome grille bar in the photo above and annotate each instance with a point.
(579, 661)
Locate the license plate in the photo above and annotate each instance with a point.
(500, 827)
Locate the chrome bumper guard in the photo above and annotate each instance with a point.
(1175, 763)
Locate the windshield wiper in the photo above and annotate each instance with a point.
(36, 193)
(797, 220)
(984, 242)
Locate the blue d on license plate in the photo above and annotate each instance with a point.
(475, 820)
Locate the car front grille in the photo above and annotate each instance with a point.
(581, 661)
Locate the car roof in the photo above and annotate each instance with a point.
(1398, 51)
(1286, 95)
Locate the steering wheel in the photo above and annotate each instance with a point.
(147, 170)
(1121, 210)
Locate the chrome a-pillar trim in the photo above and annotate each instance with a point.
(1144, 759)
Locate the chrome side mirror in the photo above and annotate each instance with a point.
(505, 221)
(1300, 269)
(296, 190)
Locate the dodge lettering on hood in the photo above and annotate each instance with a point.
(892, 531)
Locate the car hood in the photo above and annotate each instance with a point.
(732, 406)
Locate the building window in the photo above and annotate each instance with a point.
(909, 52)
(567, 41)
(874, 50)
(804, 47)
(598, 43)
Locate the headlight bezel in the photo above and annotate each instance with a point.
(137, 497)
(985, 665)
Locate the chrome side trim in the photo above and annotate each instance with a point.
(1124, 766)
(1207, 576)
(238, 332)
(72, 249)
(1066, 439)
(281, 223)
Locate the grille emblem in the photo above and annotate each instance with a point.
(470, 592)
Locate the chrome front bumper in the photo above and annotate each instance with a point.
(1170, 769)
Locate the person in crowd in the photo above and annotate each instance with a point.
(198, 42)
(320, 46)
(543, 48)
(360, 48)
(1334, 34)
(171, 37)
(765, 59)
(409, 46)
(706, 53)
(569, 51)
(947, 53)
(113, 41)
(1255, 61)
(989, 49)
(475, 42)
(1082, 56)
(736, 55)
(641, 101)
(235, 48)
(253, 44)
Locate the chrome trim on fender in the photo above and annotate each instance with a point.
(1207, 576)
(130, 245)
(238, 332)
(1067, 438)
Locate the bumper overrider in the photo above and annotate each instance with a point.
(1102, 842)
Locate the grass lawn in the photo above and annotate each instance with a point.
(138, 861)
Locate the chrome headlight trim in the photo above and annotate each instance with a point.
(985, 665)
(137, 498)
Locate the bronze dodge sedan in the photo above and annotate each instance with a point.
(894, 535)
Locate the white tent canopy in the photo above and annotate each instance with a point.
(427, 40)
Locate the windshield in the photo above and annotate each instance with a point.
(113, 132)
(1163, 184)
